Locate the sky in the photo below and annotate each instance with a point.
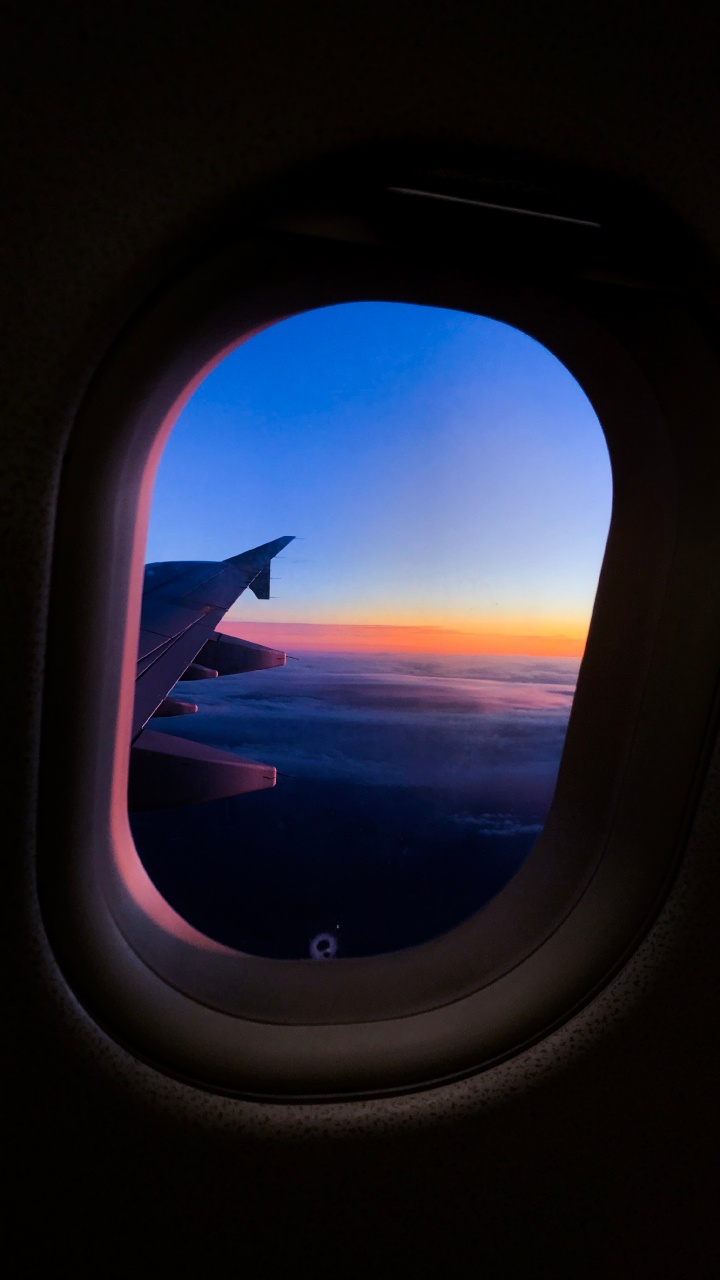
(449, 488)
(446, 479)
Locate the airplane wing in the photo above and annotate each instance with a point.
(183, 603)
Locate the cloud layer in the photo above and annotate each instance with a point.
(446, 724)
(410, 789)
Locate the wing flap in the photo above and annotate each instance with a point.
(229, 655)
(174, 707)
(166, 771)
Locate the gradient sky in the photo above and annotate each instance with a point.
(441, 471)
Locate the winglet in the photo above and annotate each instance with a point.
(258, 559)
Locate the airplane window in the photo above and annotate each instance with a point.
(412, 504)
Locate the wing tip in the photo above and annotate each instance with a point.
(265, 552)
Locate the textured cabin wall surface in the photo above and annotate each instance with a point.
(134, 134)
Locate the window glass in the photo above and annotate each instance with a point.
(448, 487)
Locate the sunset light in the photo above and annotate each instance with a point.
(328, 637)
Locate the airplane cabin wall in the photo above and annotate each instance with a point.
(135, 133)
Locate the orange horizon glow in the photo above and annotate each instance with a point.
(329, 637)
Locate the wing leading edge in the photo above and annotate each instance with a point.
(183, 603)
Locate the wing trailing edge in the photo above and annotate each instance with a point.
(166, 771)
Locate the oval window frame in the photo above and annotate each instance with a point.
(628, 778)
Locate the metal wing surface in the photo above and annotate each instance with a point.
(183, 602)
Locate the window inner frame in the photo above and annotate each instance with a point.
(638, 736)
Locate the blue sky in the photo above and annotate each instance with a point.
(438, 468)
